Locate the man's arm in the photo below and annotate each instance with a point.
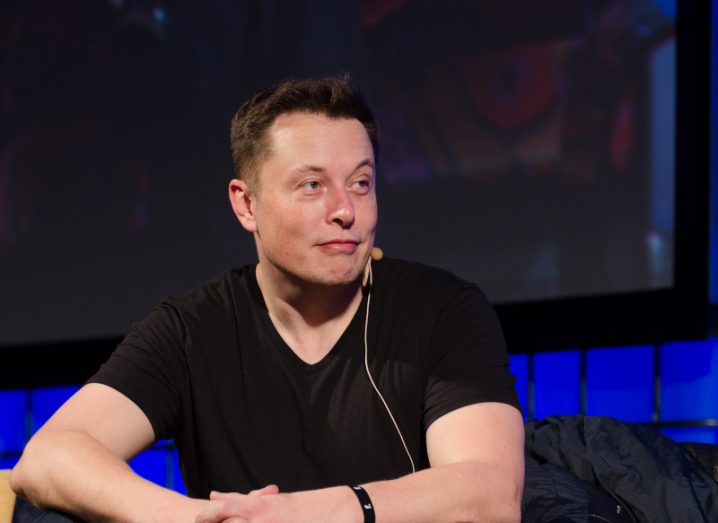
(477, 472)
(77, 462)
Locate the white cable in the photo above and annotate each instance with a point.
(371, 380)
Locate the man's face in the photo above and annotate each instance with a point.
(315, 212)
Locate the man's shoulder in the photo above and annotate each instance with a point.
(418, 275)
(220, 294)
(416, 286)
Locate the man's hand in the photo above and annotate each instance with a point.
(224, 505)
(230, 507)
(269, 489)
(476, 474)
(267, 504)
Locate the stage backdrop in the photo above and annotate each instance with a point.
(527, 146)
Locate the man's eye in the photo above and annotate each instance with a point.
(362, 184)
(312, 185)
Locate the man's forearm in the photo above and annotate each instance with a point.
(71, 471)
(460, 492)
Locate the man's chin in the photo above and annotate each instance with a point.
(337, 277)
(336, 280)
(326, 278)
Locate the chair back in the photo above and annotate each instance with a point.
(7, 497)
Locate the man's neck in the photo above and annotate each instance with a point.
(310, 318)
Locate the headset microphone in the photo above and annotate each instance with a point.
(376, 255)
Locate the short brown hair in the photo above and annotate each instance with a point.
(333, 96)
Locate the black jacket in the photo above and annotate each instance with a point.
(594, 468)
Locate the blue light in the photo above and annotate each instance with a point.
(152, 465)
(13, 405)
(159, 15)
(557, 383)
(689, 380)
(519, 367)
(619, 383)
(668, 7)
(177, 482)
(46, 401)
(8, 463)
(692, 434)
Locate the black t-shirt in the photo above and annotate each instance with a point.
(211, 372)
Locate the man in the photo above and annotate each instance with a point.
(285, 382)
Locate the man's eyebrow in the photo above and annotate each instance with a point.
(310, 168)
(318, 169)
(365, 163)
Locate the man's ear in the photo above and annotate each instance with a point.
(242, 204)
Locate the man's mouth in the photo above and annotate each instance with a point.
(340, 246)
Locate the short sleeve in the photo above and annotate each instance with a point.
(467, 361)
(148, 367)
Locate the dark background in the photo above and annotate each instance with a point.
(537, 148)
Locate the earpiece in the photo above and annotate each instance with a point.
(377, 254)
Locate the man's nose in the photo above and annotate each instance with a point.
(340, 208)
